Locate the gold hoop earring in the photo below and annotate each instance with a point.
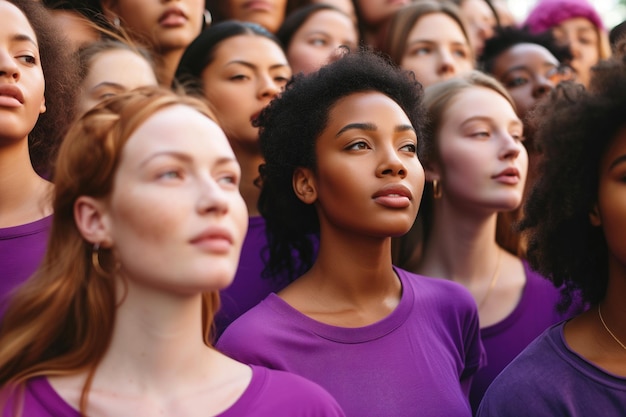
(437, 192)
(95, 260)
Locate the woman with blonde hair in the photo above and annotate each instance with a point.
(148, 227)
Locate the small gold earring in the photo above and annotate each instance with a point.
(437, 192)
(95, 260)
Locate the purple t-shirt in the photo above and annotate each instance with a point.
(417, 361)
(270, 394)
(248, 287)
(21, 250)
(503, 341)
(549, 379)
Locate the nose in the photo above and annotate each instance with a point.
(391, 163)
(542, 87)
(8, 66)
(447, 64)
(268, 88)
(338, 52)
(211, 197)
(511, 147)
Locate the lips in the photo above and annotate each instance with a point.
(393, 196)
(508, 176)
(214, 239)
(173, 16)
(11, 95)
(258, 5)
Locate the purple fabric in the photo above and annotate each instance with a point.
(248, 287)
(270, 394)
(417, 361)
(549, 379)
(549, 13)
(503, 341)
(21, 250)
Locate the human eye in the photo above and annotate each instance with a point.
(27, 59)
(318, 41)
(420, 50)
(170, 174)
(516, 81)
(460, 52)
(518, 137)
(480, 134)
(409, 147)
(357, 146)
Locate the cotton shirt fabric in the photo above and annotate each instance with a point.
(550, 379)
(269, 394)
(417, 361)
(503, 341)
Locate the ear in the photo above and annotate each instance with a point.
(90, 218)
(42, 107)
(432, 171)
(304, 185)
(594, 216)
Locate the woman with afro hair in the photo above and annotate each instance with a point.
(340, 148)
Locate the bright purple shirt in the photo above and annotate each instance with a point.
(503, 341)
(549, 379)
(417, 361)
(269, 394)
(21, 251)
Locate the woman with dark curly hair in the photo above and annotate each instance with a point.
(37, 86)
(576, 220)
(340, 147)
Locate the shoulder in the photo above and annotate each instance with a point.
(36, 398)
(273, 393)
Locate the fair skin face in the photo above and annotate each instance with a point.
(482, 166)
(436, 49)
(528, 72)
(582, 37)
(174, 197)
(366, 164)
(111, 73)
(481, 22)
(169, 26)
(22, 100)
(247, 72)
(318, 41)
(267, 13)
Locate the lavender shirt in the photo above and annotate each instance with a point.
(21, 250)
(270, 394)
(417, 361)
(550, 379)
(503, 341)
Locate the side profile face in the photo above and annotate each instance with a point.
(369, 181)
(320, 40)
(610, 211)
(22, 82)
(111, 73)
(529, 71)
(480, 20)
(482, 163)
(267, 13)
(375, 12)
(168, 25)
(583, 40)
(175, 197)
(247, 72)
(436, 49)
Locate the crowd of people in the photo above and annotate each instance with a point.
(311, 208)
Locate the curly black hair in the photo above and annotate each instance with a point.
(574, 131)
(61, 77)
(289, 128)
(507, 37)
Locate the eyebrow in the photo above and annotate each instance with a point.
(617, 161)
(183, 157)
(514, 122)
(20, 37)
(435, 42)
(253, 66)
(108, 84)
(371, 127)
(527, 68)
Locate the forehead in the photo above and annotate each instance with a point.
(250, 48)
(328, 19)
(523, 54)
(478, 102)
(436, 25)
(121, 65)
(365, 106)
(13, 21)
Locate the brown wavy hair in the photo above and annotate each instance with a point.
(60, 321)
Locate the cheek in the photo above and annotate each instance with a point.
(612, 205)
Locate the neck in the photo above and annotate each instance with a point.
(613, 307)
(169, 64)
(461, 248)
(354, 267)
(157, 344)
(249, 160)
(25, 196)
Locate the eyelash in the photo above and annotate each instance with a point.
(28, 59)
